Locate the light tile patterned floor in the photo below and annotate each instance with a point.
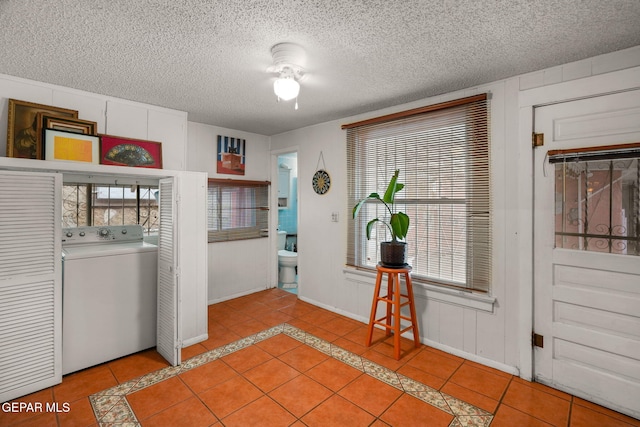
(111, 406)
(274, 360)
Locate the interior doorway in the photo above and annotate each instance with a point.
(286, 224)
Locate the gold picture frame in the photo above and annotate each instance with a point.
(23, 140)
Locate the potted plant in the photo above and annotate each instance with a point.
(393, 253)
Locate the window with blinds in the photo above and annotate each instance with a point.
(442, 152)
(237, 210)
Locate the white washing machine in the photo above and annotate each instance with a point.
(109, 294)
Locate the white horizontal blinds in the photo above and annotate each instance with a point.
(443, 157)
(238, 210)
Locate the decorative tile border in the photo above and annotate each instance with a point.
(111, 408)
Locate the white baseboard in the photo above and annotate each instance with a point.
(232, 296)
(451, 350)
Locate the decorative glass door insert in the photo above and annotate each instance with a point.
(597, 205)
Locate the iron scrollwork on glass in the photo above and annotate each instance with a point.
(598, 205)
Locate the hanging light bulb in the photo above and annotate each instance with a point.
(286, 87)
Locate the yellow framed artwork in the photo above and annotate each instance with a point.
(71, 147)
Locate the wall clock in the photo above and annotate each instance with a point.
(321, 181)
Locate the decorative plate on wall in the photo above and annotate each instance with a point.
(321, 181)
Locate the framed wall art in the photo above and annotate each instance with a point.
(23, 139)
(71, 147)
(65, 124)
(116, 150)
(231, 155)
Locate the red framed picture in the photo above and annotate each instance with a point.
(119, 151)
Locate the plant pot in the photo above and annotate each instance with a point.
(393, 254)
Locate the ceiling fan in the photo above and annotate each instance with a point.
(288, 61)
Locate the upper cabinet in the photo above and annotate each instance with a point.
(113, 116)
(283, 187)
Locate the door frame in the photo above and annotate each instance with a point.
(273, 219)
(528, 100)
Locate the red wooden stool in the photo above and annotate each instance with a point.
(393, 299)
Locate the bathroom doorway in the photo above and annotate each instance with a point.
(287, 225)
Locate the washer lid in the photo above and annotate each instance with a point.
(106, 249)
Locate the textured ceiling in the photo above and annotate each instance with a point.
(209, 58)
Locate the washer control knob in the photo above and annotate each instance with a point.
(69, 234)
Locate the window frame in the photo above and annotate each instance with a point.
(476, 129)
(84, 210)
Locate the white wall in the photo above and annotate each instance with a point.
(321, 243)
(499, 337)
(240, 267)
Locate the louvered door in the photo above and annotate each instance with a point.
(30, 283)
(168, 279)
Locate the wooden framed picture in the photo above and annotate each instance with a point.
(116, 150)
(71, 147)
(65, 124)
(231, 157)
(23, 139)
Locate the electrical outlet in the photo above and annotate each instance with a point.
(334, 216)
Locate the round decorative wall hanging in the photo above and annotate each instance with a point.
(321, 181)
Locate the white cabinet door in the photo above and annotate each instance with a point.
(283, 183)
(30, 283)
(168, 341)
(586, 303)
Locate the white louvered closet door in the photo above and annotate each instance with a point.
(30, 283)
(168, 278)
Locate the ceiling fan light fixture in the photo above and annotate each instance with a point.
(286, 88)
(287, 60)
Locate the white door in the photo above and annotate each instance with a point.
(30, 283)
(168, 340)
(586, 296)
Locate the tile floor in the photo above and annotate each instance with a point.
(272, 360)
(291, 290)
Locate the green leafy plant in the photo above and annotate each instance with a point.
(398, 222)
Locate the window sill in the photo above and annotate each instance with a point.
(465, 299)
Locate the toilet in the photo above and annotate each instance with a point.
(287, 262)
